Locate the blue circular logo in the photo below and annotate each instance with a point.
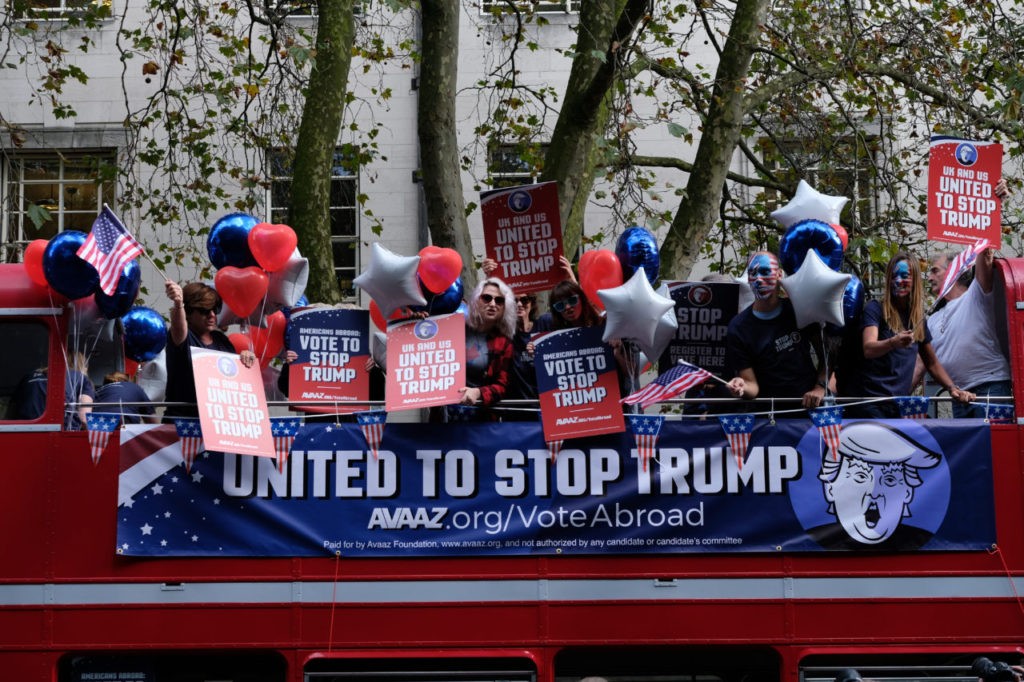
(966, 154)
(425, 330)
(227, 366)
(520, 201)
(699, 295)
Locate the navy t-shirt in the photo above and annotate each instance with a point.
(30, 396)
(893, 373)
(181, 384)
(777, 352)
(124, 391)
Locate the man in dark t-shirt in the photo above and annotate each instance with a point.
(769, 354)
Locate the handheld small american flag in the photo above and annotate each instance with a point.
(645, 428)
(100, 426)
(371, 423)
(109, 248)
(963, 260)
(191, 436)
(997, 411)
(284, 430)
(829, 421)
(675, 381)
(737, 429)
(912, 406)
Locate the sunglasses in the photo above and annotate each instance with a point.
(571, 302)
(524, 300)
(206, 311)
(487, 298)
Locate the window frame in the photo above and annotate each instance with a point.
(499, 7)
(500, 170)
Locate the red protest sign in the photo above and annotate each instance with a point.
(523, 233)
(426, 362)
(232, 405)
(962, 205)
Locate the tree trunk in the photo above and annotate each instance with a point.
(439, 147)
(699, 208)
(314, 149)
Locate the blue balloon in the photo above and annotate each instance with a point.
(228, 243)
(145, 333)
(64, 270)
(303, 301)
(637, 248)
(124, 296)
(853, 306)
(443, 303)
(807, 235)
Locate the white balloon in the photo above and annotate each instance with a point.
(633, 310)
(664, 332)
(287, 284)
(152, 377)
(391, 281)
(810, 204)
(379, 349)
(816, 291)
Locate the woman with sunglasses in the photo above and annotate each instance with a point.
(490, 326)
(194, 313)
(569, 308)
(893, 336)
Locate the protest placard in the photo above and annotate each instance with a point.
(703, 310)
(332, 347)
(523, 233)
(426, 362)
(578, 383)
(962, 205)
(232, 405)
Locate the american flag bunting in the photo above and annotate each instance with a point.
(100, 426)
(738, 428)
(284, 430)
(912, 406)
(190, 434)
(371, 423)
(109, 248)
(554, 447)
(829, 421)
(645, 428)
(675, 381)
(997, 411)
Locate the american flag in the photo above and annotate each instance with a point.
(645, 428)
(912, 406)
(100, 426)
(284, 430)
(109, 248)
(191, 436)
(737, 429)
(371, 423)
(963, 260)
(997, 411)
(677, 380)
(829, 421)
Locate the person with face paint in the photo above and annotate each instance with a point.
(769, 354)
(893, 336)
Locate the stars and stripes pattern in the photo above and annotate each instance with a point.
(554, 447)
(912, 406)
(645, 428)
(371, 423)
(959, 265)
(284, 430)
(997, 411)
(829, 421)
(738, 428)
(109, 248)
(675, 381)
(99, 427)
(190, 433)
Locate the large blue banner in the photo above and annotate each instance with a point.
(493, 489)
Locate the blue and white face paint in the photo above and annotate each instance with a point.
(901, 282)
(763, 275)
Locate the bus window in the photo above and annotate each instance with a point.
(246, 666)
(421, 670)
(24, 345)
(668, 664)
(897, 667)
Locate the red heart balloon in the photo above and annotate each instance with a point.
(599, 269)
(272, 245)
(241, 342)
(841, 231)
(34, 261)
(439, 268)
(378, 317)
(241, 288)
(268, 341)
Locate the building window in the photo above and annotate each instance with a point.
(50, 192)
(55, 9)
(840, 167)
(509, 165)
(343, 211)
(534, 6)
(307, 9)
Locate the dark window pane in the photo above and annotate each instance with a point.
(343, 193)
(343, 223)
(281, 193)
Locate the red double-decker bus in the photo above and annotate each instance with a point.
(76, 605)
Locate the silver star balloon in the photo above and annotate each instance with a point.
(634, 310)
(810, 204)
(816, 292)
(391, 280)
(664, 331)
